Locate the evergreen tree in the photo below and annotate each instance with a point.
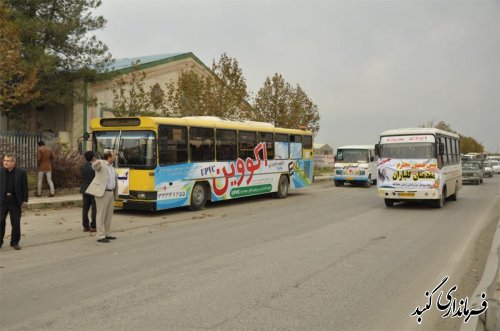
(58, 46)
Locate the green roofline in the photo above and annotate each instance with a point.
(143, 66)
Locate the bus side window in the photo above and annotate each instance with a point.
(307, 143)
(281, 146)
(266, 137)
(295, 146)
(172, 144)
(247, 142)
(226, 145)
(201, 144)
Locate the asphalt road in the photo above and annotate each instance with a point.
(325, 258)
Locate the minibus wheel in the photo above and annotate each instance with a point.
(454, 197)
(439, 203)
(389, 202)
(198, 197)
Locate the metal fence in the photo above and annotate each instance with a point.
(23, 145)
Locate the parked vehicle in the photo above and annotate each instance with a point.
(167, 162)
(472, 172)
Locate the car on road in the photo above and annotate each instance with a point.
(472, 172)
(488, 169)
(495, 165)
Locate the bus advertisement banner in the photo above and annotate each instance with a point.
(408, 174)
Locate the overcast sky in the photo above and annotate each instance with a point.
(368, 65)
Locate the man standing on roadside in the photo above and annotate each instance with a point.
(13, 196)
(44, 157)
(88, 175)
(103, 187)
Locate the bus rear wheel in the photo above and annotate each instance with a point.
(454, 197)
(199, 197)
(282, 188)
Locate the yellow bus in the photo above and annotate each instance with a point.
(165, 162)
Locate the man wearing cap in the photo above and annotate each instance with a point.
(103, 187)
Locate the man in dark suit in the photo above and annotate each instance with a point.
(88, 175)
(13, 196)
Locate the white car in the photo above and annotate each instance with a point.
(495, 165)
(488, 170)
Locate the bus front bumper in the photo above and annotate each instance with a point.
(400, 194)
(135, 205)
(350, 179)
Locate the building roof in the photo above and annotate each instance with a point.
(320, 146)
(126, 65)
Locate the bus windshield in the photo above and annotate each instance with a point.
(353, 155)
(136, 149)
(408, 151)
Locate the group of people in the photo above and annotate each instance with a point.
(98, 189)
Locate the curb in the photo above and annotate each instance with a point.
(322, 179)
(74, 200)
(488, 284)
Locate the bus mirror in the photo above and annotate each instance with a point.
(372, 158)
(441, 149)
(377, 149)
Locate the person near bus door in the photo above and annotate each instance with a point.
(13, 197)
(103, 187)
(88, 200)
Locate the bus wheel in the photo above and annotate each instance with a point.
(454, 197)
(389, 202)
(282, 188)
(439, 203)
(198, 197)
(338, 183)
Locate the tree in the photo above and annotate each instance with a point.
(132, 98)
(58, 46)
(16, 85)
(279, 103)
(186, 96)
(226, 94)
(470, 145)
(467, 144)
(271, 102)
(223, 93)
(303, 112)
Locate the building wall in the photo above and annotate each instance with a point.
(102, 91)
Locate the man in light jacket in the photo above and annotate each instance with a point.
(103, 187)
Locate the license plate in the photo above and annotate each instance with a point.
(348, 178)
(406, 194)
(119, 204)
